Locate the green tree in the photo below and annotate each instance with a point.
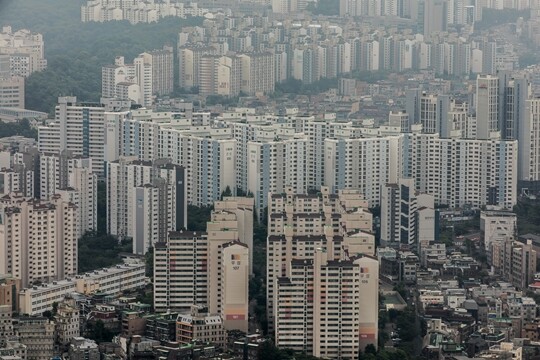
(149, 262)
(226, 193)
(198, 216)
(21, 128)
(98, 332)
(99, 251)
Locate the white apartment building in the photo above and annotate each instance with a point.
(487, 106)
(78, 128)
(162, 70)
(497, 226)
(189, 59)
(257, 73)
(272, 165)
(39, 239)
(241, 209)
(233, 282)
(25, 51)
(145, 200)
(74, 180)
(37, 299)
(362, 163)
(135, 80)
(529, 142)
(461, 171)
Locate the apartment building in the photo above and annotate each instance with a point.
(180, 271)
(257, 73)
(497, 226)
(162, 70)
(314, 292)
(39, 298)
(201, 325)
(66, 321)
(37, 333)
(401, 220)
(12, 92)
(135, 81)
(39, 239)
(220, 75)
(210, 268)
(145, 200)
(75, 181)
(298, 224)
(274, 164)
(239, 214)
(23, 50)
(514, 260)
(78, 128)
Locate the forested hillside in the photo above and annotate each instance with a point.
(76, 51)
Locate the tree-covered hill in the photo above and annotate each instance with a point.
(76, 51)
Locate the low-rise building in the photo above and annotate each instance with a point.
(112, 281)
(83, 349)
(37, 333)
(199, 325)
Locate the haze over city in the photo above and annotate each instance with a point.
(269, 179)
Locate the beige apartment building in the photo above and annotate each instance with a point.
(37, 333)
(322, 282)
(38, 239)
(298, 224)
(209, 268)
(200, 325)
(12, 92)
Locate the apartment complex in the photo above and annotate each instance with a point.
(224, 73)
(265, 153)
(137, 11)
(211, 268)
(317, 246)
(145, 200)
